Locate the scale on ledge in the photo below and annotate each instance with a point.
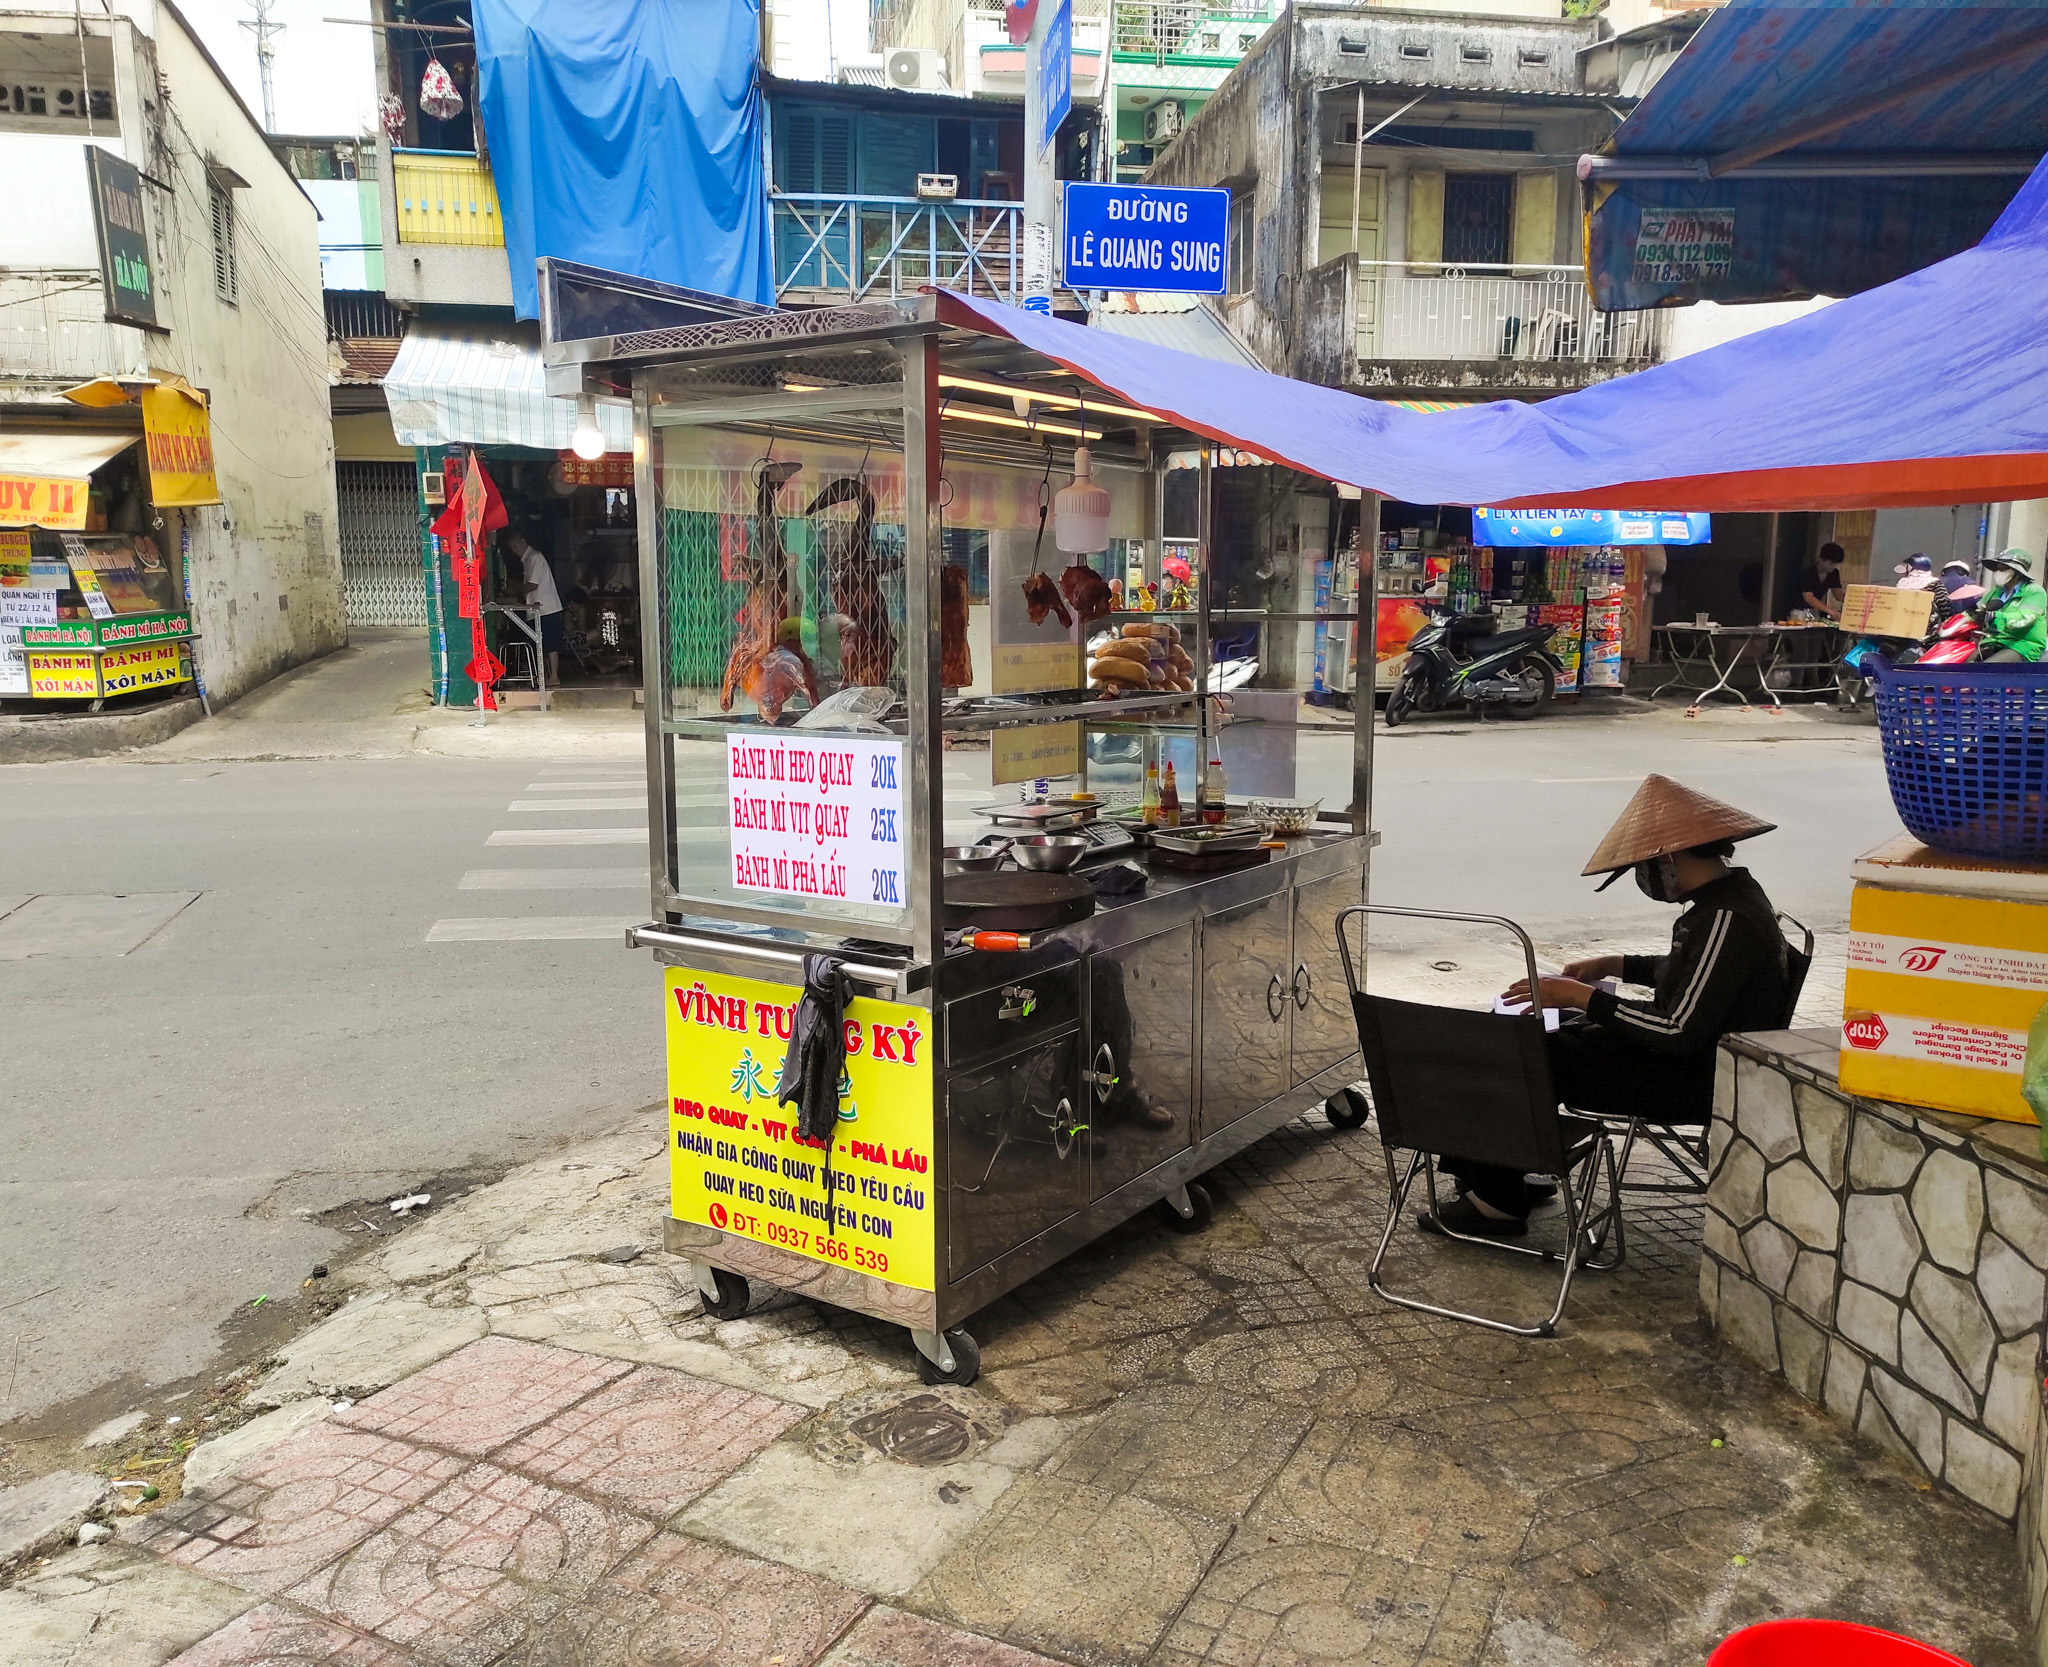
(1062, 816)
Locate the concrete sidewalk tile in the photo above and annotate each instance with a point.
(111, 1607)
(1305, 1603)
(485, 1395)
(464, 1576)
(891, 1638)
(1074, 1570)
(653, 1440)
(296, 1507)
(881, 1527)
(1185, 1445)
(681, 1603)
(274, 1636)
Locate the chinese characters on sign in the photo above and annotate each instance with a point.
(818, 819)
(1684, 245)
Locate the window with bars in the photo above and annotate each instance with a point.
(225, 282)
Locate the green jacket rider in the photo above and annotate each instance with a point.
(2014, 610)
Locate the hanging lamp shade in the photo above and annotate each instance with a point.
(1080, 511)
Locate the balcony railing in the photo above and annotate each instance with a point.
(1540, 313)
(1167, 31)
(446, 197)
(54, 324)
(851, 248)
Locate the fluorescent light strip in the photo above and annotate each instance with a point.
(1064, 402)
(973, 414)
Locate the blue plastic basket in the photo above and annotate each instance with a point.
(1966, 754)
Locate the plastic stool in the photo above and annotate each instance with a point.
(1825, 1644)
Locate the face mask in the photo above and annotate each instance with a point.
(1657, 880)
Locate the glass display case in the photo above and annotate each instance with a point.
(919, 640)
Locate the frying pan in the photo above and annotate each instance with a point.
(1017, 902)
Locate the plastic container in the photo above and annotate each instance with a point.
(1825, 1644)
(1966, 755)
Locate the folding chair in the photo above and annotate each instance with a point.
(1448, 1083)
(1686, 1150)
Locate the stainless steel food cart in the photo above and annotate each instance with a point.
(804, 477)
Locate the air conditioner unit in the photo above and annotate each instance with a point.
(917, 69)
(938, 188)
(1163, 122)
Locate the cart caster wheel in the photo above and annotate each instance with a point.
(1201, 1209)
(731, 1295)
(1347, 1109)
(966, 1361)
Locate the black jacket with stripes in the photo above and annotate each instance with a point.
(1726, 972)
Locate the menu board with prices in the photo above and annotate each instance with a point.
(821, 820)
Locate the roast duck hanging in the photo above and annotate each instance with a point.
(768, 663)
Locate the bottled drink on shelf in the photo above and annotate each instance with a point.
(1213, 795)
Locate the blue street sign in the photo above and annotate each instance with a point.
(1056, 71)
(1564, 527)
(1153, 237)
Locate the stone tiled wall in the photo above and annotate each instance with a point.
(1892, 1263)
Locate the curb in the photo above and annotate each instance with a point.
(58, 737)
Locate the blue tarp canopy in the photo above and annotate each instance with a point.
(1817, 150)
(628, 137)
(1926, 391)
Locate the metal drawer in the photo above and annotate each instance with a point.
(1012, 1014)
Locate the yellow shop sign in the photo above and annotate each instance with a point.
(863, 1200)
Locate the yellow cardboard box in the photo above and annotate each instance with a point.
(1942, 986)
(1886, 611)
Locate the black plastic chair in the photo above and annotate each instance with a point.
(1685, 1148)
(1450, 1083)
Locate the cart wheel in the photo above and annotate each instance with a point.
(732, 1299)
(1347, 1109)
(1199, 1202)
(966, 1361)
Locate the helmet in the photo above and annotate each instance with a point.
(1915, 563)
(2015, 560)
(1955, 567)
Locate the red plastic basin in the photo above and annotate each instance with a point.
(1825, 1644)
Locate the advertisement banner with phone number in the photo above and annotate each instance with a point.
(736, 1162)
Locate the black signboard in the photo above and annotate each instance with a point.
(124, 243)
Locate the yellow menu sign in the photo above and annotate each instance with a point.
(179, 437)
(863, 1200)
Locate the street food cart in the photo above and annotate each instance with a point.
(821, 496)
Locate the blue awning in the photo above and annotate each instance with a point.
(1817, 150)
(1927, 391)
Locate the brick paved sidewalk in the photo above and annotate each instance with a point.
(1214, 1449)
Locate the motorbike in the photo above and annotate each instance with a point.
(1957, 641)
(1464, 661)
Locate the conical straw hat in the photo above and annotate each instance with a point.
(1664, 818)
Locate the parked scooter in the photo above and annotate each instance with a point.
(1957, 641)
(1462, 660)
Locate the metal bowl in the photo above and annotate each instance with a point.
(972, 859)
(1284, 816)
(1049, 853)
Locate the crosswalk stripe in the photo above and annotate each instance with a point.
(553, 879)
(530, 928)
(611, 786)
(568, 836)
(578, 804)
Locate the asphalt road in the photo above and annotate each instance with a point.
(347, 974)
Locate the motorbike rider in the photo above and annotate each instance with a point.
(1654, 1059)
(1962, 589)
(2014, 610)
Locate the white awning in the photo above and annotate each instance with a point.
(58, 452)
(1192, 329)
(486, 386)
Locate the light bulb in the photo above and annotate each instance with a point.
(1080, 511)
(588, 440)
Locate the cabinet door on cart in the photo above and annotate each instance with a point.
(1141, 1032)
(1245, 974)
(1324, 1033)
(1017, 1153)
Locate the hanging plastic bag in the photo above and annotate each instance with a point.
(438, 97)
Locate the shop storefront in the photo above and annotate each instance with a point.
(93, 601)
(476, 401)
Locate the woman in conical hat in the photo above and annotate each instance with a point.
(1726, 971)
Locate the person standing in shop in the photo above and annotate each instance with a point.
(542, 595)
(1820, 586)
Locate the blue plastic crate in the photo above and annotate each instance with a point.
(1966, 754)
